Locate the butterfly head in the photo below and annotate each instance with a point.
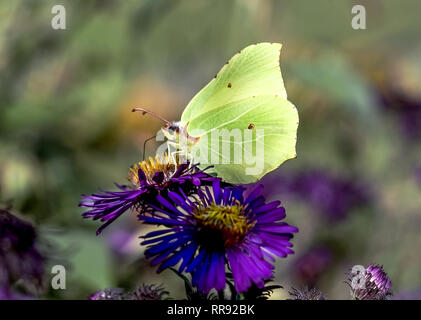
(173, 130)
(177, 130)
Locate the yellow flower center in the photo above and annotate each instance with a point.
(150, 167)
(229, 221)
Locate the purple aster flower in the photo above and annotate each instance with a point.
(219, 226)
(374, 284)
(19, 257)
(148, 179)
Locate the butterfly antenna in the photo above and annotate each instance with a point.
(144, 146)
(145, 111)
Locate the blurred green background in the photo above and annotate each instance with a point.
(66, 126)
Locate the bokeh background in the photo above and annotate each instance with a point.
(66, 127)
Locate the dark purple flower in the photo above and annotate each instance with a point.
(5, 293)
(332, 196)
(406, 109)
(120, 241)
(149, 179)
(373, 284)
(219, 226)
(310, 265)
(11, 294)
(19, 257)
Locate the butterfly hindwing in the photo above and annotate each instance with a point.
(262, 127)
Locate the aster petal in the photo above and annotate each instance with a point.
(241, 280)
(272, 216)
(167, 204)
(188, 201)
(217, 191)
(237, 193)
(220, 273)
(215, 278)
(179, 201)
(161, 213)
(157, 233)
(174, 259)
(108, 206)
(153, 220)
(199, 275)
(254, 194)
(206, 198)
(276, 228)
(247, 267)
(227, 200)
(197, 260)
(161, 247)
(142, 177)
(267, 207)
(210, 276)
(189, 252)
(180, 169)
(257, 202)
(160, 257)
(165, 238)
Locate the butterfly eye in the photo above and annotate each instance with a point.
(229, 85)
(251, 126)
(174, 127)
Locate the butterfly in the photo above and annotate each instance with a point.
(241, 122)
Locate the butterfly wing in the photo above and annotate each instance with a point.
(252, 71)
(247, 138)
(247, 92)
